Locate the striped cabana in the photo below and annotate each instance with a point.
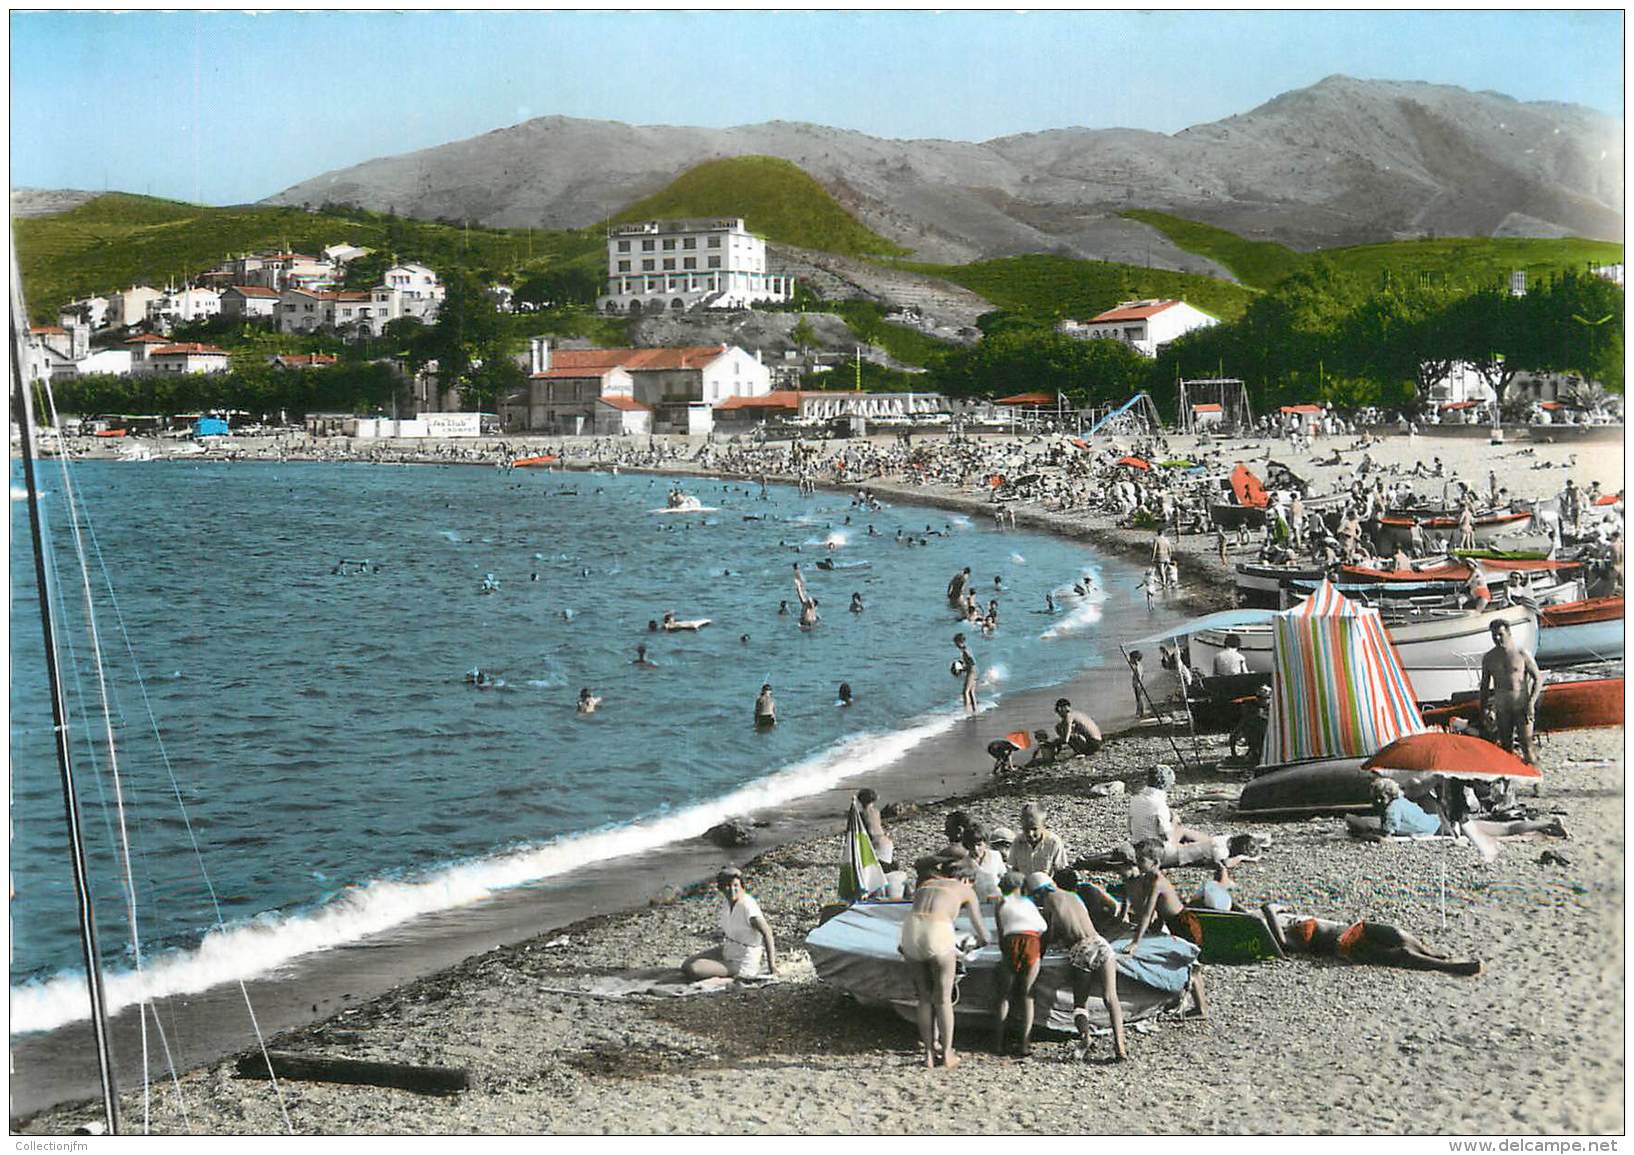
(1337, 690)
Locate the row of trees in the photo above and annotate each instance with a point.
(255, 387)
(1320, 336)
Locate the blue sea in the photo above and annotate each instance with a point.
(303, 762)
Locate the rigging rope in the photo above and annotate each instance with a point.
(82, 511)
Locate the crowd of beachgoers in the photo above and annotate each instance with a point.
(1469, 983)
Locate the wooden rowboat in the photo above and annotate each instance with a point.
(1586, 704)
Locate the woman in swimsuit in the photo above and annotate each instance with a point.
(928, 944)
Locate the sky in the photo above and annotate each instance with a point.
(225, 107)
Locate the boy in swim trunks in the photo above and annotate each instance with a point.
(1094, 970)
(1150, 894)
(928, 944)
(1021, 944)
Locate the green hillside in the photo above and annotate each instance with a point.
(1257, 264)
(1469, 261)
(775, 198)
(118, 240)
(1049, 287)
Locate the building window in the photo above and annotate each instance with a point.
(689, 262)
(624, 246)
(669, 244)
(646, 246)
(669, 263)
(714, 242)
(714, 262)
(647, 265)
(689, 243)
(624, 266)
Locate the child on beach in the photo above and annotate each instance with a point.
(1137, 684)
(1021, 948)
(1150, 586)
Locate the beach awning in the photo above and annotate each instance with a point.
(1031, 399)
(1079, 442)
(1223, 620)
(1337, 686)
(1307, 410)
(1134, 463)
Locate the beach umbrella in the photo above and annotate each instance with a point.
(860, 872)
(1250, 492)
(1454, 755)
(1134, 462)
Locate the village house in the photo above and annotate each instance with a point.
(677, 388)
(1145, 326)
(673, 266)
(301, 360)
(187, 357)
(348, 310)
(130, 307)
(249, 303)
(90, 311)
(55, 350)
(182, 306)
(140, 346)
(418, 290)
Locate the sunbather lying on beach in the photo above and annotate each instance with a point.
(1369, 943)
(1395, 815)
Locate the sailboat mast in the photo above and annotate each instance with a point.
(23, 390)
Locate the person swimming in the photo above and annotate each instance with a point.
(587, 701)
(845, 694)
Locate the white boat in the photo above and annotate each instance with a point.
(1440, 654)
(855, 951)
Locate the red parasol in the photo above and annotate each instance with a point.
(1135, 462)
(1455, 755)
(1248, 489)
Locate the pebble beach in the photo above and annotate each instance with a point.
(1534, 1045)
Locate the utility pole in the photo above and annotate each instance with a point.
(859, 369)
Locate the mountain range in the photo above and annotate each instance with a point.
(1344, 161)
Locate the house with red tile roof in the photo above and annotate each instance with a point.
(678, 387)
(1145, 326)
(184, 357)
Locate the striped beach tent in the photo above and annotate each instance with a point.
(1337, 689)
(860, 871)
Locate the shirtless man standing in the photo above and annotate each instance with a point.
(1510, 685)
(957, 586)
(1089, 956)
(928, 944)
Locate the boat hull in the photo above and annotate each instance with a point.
(1399, 530)
(856, 952)
(1584, 631)
(1582, 705)
(1441, 656)
(1319, 786)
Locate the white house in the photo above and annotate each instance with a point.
(92, 311)
(1145, 326)
(678, 387)
(140, 347)
(249, 302)
(114, 362)
(181, 306)
(672, 266)
(130, 307)
(54, 350)
(1463, 386)
(187, 357)
(340, 254)
(417, 288)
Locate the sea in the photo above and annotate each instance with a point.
(286, 657)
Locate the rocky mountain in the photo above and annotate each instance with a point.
(1342, 162)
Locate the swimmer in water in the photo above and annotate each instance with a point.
(744, 639)
(783, 609)
(652, 626)
(587, 701)
(641, 658)
(765, 709)
(845, 694)
(856, 603)
(1049, 603)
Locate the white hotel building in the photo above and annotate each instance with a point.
(672, 266)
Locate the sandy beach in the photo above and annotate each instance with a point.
(1534, 1045)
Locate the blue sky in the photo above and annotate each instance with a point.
(223, 108)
